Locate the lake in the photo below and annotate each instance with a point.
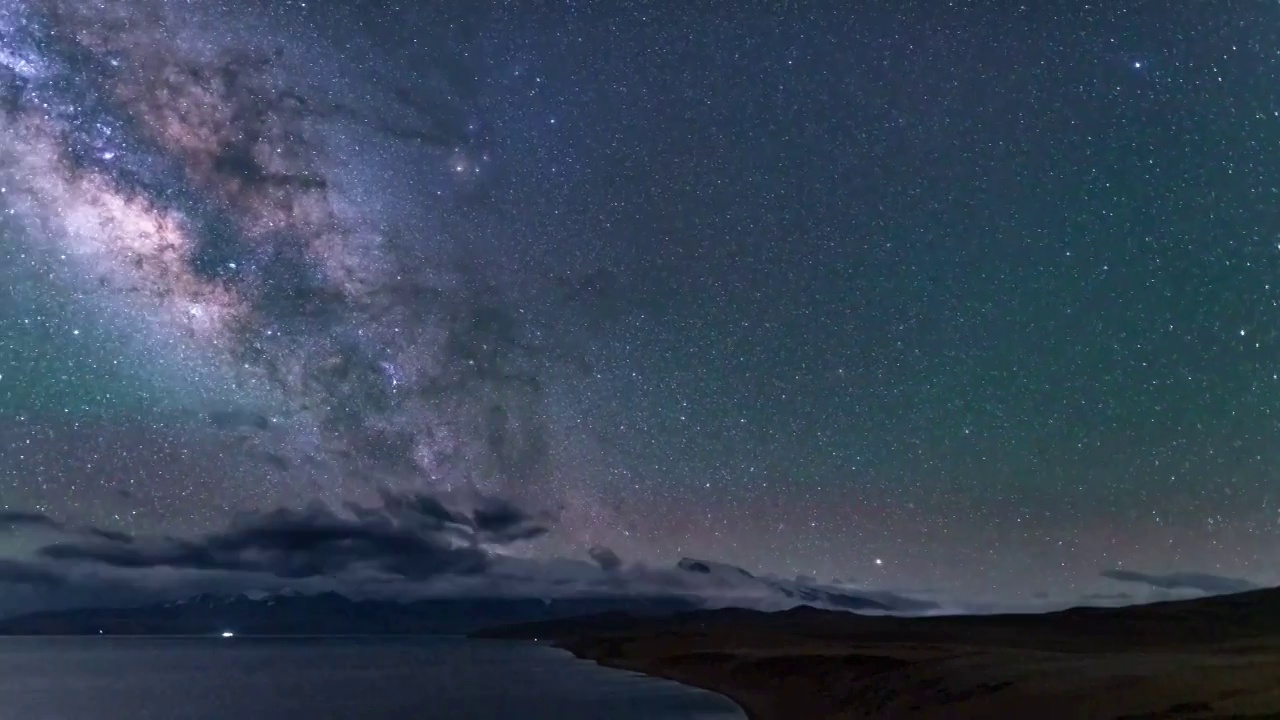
(327, 679)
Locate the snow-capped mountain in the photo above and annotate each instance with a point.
(737, 586)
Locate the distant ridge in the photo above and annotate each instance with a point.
(691, 585)
(1212, 657)
(328, 614)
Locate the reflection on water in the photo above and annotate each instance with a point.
(326, 679)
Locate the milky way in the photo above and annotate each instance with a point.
(973, 300)
(185, 180)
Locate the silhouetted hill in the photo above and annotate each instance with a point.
(1206, 658)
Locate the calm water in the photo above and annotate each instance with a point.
(326, 679)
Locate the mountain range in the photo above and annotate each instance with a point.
(704, 585)
(324, 614)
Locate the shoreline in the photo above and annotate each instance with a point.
(747, 710)
(1191, 660)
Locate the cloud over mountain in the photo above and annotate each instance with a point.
(1197, 581)
(406, 545)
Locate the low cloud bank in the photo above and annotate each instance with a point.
(412, 545)
(404, 546)
(407, 537)
(1193, 581)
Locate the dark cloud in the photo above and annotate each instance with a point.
(19, 572)
(1108, 598)
(504, 522)
(109, 535)
(19, 520)
(607, 559)
(1202, 582)
(407, 536)
(406, 545)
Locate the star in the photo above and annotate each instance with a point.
(905, 293)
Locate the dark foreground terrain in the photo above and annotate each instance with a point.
(1210, 658)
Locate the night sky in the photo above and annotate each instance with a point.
(975, 301)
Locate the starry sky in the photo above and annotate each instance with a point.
(978, 299)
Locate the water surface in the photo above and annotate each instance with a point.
(327, 679)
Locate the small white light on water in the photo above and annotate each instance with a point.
(228, 633)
